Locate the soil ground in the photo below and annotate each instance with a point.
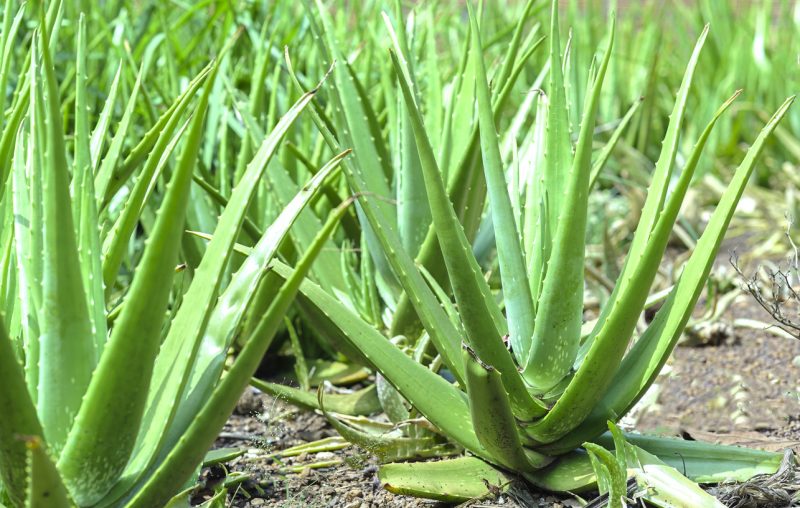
(744, 390)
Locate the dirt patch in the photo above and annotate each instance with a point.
(747, 387)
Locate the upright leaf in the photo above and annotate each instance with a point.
(516, 291)
(100, 443)
(66, 344)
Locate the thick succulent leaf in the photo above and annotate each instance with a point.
(300, 366)
(359, 129)
(104, 122)
(83, 203)
(224, 321)
(27, 209)
(644, 361)
(229, 312)
(9, 136)
(700, 462)
(11, 24)
(116, 243)
(132, 347)
(182, 460)
(179, 348)
(362, 402)
(439, 401)
(453, 480)
(657, 191)
(392, 403)
(255, 100)
(147, 145)
(476, 303)
(45, 487)
(535, 225)
(222, 455)
(572, 472)
(385, 446)
(326, 268)
(493, 420)
(594, 375)
(422, 298)
(704, 462)
(559, 146)
(248, 226)
(559, 313)
(381, 229)
(611, 478)
(106, 169)
(516, 291)
(19, 420)
(608, 148)
(66, 342)
(663, 485)
(464, 182)
(413, 212)
(9, 124)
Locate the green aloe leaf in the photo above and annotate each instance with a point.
(175, 360)
(20, 420)
(83, 203)
(45, 487)
(326, 268)
(664, 485)
(516, 291)
(493, 420)
(116, 242)
(646, 358)
(106, 170)
(704, 462)
(452, 480)
(100, 131)
(605, 354)
(10, 123)
(385, 446)
(27, 209)
(413, 212)
(439, 401)
(66, 342)
(559, 146)
(611, 478)
(658, 483)
(229, 312)
(661, 467)
(9, 136)
(478, 310)
(11, 24)
(461, 170)
(182, 460)
(657, 191)
(133, 345)
(362, 402)
(608, 148)
(560, 310)
(142, 152)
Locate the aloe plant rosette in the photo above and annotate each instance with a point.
(118, 408)
(532, 392)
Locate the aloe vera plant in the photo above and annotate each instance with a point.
(117, 408)
(532, 391)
